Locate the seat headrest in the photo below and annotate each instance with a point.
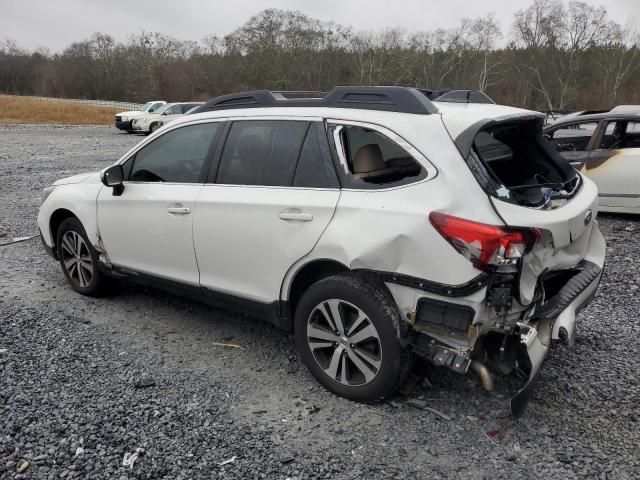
(368, 158)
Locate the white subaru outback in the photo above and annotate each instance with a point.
(373, 222)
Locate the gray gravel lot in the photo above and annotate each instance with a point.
(71, 403)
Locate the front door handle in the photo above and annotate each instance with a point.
(179, 210)
(301, 217)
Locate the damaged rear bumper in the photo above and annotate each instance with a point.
(555, 320)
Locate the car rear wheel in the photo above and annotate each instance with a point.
(79, 260)
(346, 335)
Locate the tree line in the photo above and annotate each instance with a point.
(554, 55)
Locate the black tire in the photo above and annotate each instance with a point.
(152, 128)
(93, 282)
(352, 291)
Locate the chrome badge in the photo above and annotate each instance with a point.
(588, 217)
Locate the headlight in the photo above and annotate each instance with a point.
(46, 192)
(124, 119)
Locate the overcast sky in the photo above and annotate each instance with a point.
(56, 23)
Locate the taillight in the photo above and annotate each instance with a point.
(486, 246)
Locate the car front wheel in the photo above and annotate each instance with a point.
(79, 260)
(346, 334)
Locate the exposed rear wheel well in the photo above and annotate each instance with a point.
(310, 274)
(56, 220)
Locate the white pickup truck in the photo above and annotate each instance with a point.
(124, 119)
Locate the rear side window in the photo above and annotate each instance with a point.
(621, 134)
(261, 152)
(370, 159)
(177, 156)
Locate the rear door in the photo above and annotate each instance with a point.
(269, 197)
(614, 164)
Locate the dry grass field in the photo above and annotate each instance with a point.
(26, 110)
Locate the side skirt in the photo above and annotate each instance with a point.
(275, 313)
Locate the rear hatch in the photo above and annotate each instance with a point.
(528, 183)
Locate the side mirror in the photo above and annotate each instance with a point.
(113, 177)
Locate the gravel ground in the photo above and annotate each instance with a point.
(85, 381)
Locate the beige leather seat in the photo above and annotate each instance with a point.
(368, 162)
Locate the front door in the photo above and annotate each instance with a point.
(148, 228)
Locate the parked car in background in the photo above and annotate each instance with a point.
(556, 114)
(605, 145)
(165, 114)
(124, 119)
(375, 224)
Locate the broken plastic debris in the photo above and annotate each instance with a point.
(495, 433)
(22, 467)
(442, 415)
(3, 350)
(130, 458)
(17, 240)
(144, 382)
(226, 462)
(227, 345)
(79, 451)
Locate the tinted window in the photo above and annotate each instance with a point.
(374, 159)
(312, 170)
(177, 156)
(261, 152)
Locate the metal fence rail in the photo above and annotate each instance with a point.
(98, 103)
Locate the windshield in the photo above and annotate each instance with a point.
(162, 109)
(144, 107)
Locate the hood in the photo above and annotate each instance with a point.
(131, 114)
(92, 177)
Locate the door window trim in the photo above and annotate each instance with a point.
(430, 169)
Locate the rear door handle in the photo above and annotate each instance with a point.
(301, 217)
(179, 210)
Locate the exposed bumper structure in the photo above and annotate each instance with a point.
(556, 320)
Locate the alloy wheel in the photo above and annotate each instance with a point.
(344, 342)
(77, 259)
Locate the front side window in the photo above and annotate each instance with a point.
(155, 107)
(574, 137)
(261, 152)
(177, 156)
(621, 134)
(370, 159)
(173, 110)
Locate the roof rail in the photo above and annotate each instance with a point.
(458, 96)
(388, 99)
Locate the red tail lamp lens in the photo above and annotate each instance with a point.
(486, 246)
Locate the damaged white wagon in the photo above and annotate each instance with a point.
(373, 222)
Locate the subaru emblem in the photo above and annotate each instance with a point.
(588, 217)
